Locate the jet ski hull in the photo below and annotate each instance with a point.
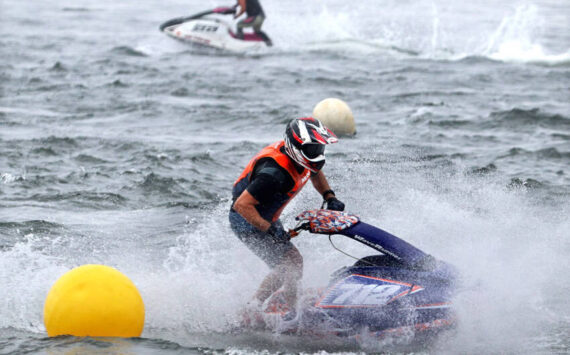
(212, 33)
(382, 299)
(400, 291)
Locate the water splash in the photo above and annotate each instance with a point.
(516, 39)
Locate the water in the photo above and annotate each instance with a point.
(119, 146)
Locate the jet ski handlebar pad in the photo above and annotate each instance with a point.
(327, 221)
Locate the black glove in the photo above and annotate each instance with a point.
(334, 204)
(278, 234)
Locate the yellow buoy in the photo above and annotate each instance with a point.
(336, 115)
(94, 300)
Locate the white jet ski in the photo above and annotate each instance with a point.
(206, 29)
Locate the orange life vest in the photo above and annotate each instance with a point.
(272, 210)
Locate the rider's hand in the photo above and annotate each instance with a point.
(334, 204)
(278, 234)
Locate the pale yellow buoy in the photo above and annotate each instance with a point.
(336, 115)
(94, 300)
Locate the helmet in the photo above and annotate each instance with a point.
(305, 140)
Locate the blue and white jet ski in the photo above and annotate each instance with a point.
(208, 29)
(398, 291)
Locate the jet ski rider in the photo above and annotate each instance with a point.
(270, 180)
(255, 18)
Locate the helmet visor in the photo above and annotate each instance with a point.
(313, 151)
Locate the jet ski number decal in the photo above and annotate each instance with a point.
(365, 291)
(204, 28)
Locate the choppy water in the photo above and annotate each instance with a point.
(119, 146)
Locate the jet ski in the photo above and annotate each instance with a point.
(399, 291)
(206, 29)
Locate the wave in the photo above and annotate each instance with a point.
(160, 341)
(118, 84)
(516, 52)
(57, 141)
(159, 190)
(75, 9)
(28, 111)
(348, 46)
(58, 67)
(517, 183)
(37, 226)
(484, 170)
(128, 51)
(180, 92)
(52, 146)
(165, 187)
(534, 117)
(8, 178)
(89, 159)
(547, 153)
(14, 232)
(86, 199)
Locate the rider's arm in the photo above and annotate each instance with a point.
(321, 184)
(245, 206)
(242, 8)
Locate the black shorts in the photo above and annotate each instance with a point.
(257, 241)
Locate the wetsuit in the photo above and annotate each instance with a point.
(255, 17)
(273, 179)
(253, 8)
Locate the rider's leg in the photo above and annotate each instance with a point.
(246, 22)
(287, 273)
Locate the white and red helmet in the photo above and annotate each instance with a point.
(305, 140)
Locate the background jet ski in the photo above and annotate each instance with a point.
(207, 30)
(399, 291)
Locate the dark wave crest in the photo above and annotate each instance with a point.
(484, 170)
(534, 117)
(75, 9)
(14, 232)
(85, 199)
(517, 183)
(547, 153)
(128, 51)
(89, 159)
(38, 226)
(166, 187)
(58, 67)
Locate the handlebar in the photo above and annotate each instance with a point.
(297, 230)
